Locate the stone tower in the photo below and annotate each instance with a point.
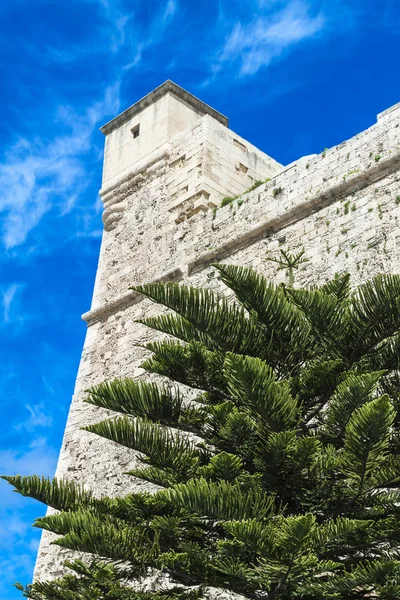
(169, 160)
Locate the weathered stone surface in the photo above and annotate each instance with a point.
(159, 190)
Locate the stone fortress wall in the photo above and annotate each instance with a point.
(163, 222)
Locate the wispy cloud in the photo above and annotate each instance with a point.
(44, 173)
(38, 417)
(8, 295)
(38, 458)
(18, 558)
(116, 19)
(19, 541)
(140, 40)
(274, 29)
(126, 36)
(40, 174)
(170, 10)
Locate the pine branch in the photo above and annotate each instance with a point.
(290, 490)
(138, 398)
(222, 501)
(227, 325)
(162, 447)
(59, 494)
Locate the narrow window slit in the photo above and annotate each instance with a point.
(135, 131)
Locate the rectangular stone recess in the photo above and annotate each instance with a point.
(135, 131)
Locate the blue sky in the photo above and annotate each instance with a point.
(293, 76)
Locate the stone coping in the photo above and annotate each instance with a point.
(167, 87)
(299, 211)
(282, 219)
(127, 299)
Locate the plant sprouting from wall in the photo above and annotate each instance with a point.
(228, 200)
(289, 262)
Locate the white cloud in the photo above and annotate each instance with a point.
(170, 10)
(253, 45)
(111, 29)
(8, 296)
(37, 418)
(18, 540)
(39, 459)
(149, 36)
(15, 562)
(38, 174)
(124, 33)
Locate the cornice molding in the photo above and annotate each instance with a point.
(103, 312)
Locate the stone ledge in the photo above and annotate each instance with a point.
(357, 182)
(127, 299)
(387, 113)
(386, 165)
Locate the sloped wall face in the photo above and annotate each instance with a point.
(342, 207)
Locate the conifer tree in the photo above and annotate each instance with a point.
(277, 475)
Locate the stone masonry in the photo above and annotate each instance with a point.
(169, 160)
